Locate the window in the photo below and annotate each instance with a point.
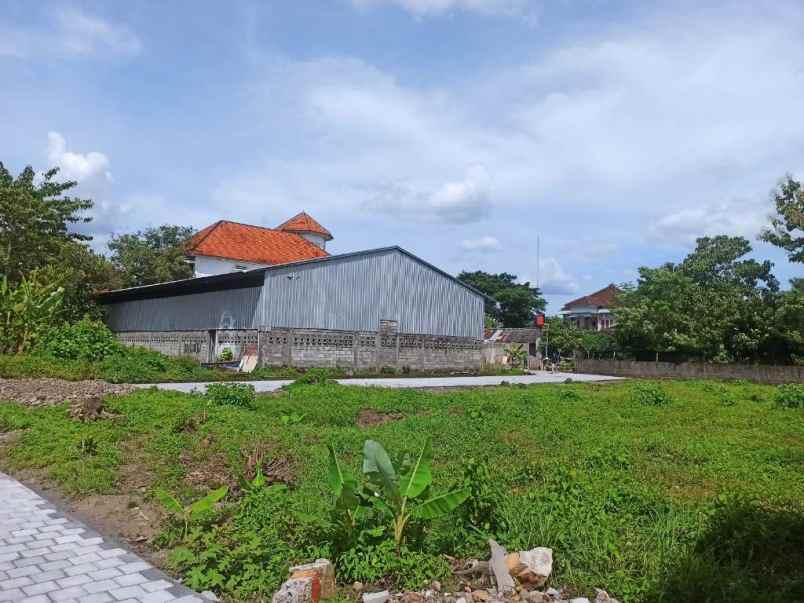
(240, 267)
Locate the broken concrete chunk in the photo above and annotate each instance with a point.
(531, 568)
(505, 583)
(380, 597)
(325, 571)
(299, 590)
(579, 600)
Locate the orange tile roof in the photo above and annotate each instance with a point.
(605, 298)
(303, 222)
(248, 243)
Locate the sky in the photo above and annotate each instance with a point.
(615, 133)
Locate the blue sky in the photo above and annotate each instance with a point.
(618, 132)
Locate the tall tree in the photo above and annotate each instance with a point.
(517, 303)
(786, 228)
(153, 255)
(35, 220)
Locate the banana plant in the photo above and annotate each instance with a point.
(401, 496)
(188, 513)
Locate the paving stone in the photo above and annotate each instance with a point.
(45, 557)
(94, 587)
(66, 594)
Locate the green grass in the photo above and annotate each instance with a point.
(698, 499)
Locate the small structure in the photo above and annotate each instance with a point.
(502, 346)
(369, 310)
(592, 311)
(231, 246)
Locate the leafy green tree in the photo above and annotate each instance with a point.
(153, 255)
(518, 302)
(29, 310)
(35, 220)
(714, 305)
(786, 228)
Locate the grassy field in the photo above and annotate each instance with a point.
(698, 496)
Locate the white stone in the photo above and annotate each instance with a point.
(380, 597)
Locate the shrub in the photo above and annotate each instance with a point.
(315, 376)
(28, 312)
(650, 394)
(234, 394)
(790, 395)
(83, 340)
(373, 563)
(226, 355)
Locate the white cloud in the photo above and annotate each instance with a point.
(439, 7)
(69, 33)
(484, 244)
(82, 167)
(554, 279)
(456, 202)
(737, 217)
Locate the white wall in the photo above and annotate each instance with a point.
(207, 266)
(315, 239)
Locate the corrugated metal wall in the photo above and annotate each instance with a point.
(229, 309)
(353, 293)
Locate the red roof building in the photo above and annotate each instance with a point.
(231, 246)
(592, 311)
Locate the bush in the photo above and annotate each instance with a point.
(649, 394)
(790, 396)
(234, 394)
(315, 376)
(28, 312)
(226, 355)
(83, 340)
(379, 563)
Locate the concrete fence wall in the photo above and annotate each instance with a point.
(692, 370)
(306, 348)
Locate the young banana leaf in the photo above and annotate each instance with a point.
(169, 502)
(202, 505)
(420, 476)
(441, 504)
(378, 467)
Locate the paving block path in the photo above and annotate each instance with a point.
(47, 557)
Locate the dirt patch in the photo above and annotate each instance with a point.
(275, 469)
(369, 417)
(48, 392)
(128, 516)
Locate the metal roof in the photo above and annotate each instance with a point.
(250, 278)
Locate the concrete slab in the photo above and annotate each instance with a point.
(408, 382)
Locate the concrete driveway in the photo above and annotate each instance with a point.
(404, 382)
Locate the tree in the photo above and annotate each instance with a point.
(518, 302)
(81, 272)
(786, 228)
(154, 255)
(35, 220)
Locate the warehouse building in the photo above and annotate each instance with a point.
(369, 310)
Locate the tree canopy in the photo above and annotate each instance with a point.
(714, 305)
(35, 221)
(786, 228)
(153, 255)
(518, 302)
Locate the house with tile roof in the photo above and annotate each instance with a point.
(592, 311)
(227, 246)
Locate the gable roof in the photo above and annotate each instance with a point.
(513, 335)
(303, 222)
(605, 298)
(249, 243)
(251, 278)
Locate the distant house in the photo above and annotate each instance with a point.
(499, 343)
(592, 311)
(227, 246)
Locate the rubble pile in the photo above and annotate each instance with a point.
(517, 577)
